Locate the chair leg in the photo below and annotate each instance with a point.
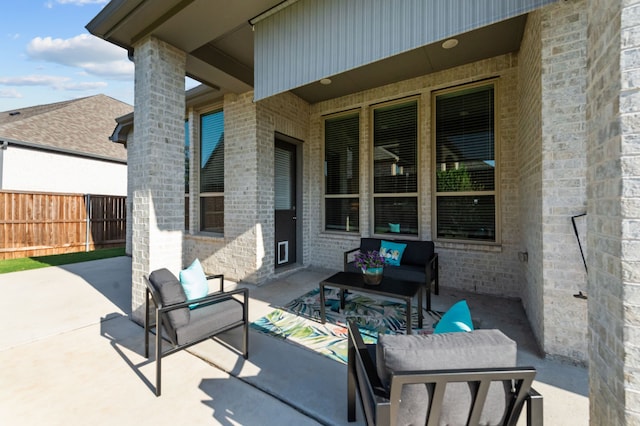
(534, 409)
(351, 382)
(146, 324)
(246, 340)
(245, 316)
(158, 355)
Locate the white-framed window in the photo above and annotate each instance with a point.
(212, 172)
(465, 163)
(395, 168)
(341, 172)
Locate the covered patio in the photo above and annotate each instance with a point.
(95, 371)
(558, 130)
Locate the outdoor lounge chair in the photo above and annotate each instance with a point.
(392, 395)
(185, 323)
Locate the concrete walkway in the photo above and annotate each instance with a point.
(71, 355)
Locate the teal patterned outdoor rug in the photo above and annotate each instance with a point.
(298, 321)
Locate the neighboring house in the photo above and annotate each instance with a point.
(64, 147)
(485, 126)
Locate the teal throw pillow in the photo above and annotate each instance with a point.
(194, 282)
(394, 227)
(457, 318)
(392, 252)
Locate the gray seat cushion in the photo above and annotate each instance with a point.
(476, 349)
(171, 292)
(208, 319)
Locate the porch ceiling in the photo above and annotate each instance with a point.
(218, 40)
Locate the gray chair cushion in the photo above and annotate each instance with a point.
(207, 319)
(171, 292)
(476, 349)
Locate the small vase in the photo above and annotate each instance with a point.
(372, 276)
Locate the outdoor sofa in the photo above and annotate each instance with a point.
(418, 263)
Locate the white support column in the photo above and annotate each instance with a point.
(156, 164)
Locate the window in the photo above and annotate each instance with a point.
(341, 171)
(465, 164)
(395, 171)
(212, 172)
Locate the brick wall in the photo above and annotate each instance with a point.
(530, 165)
(614, 210)
(246, 252)
(564, 185)
(482, 268)
(156, 164)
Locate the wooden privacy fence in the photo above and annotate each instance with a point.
(40, 224)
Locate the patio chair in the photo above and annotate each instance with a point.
(185, 323)
(393, 395)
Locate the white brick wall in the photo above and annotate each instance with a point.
(156, 164)
(246, 253)
(614, 212)
(481, 268)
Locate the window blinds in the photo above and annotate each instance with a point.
(212, 152)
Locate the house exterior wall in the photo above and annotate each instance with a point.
(482, 268)
(563, 29)
(530, 165)
(247, 252)
(156, 162)
(379, 29)
(613, 212)
(35, 170)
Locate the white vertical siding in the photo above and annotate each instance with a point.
(312, 39)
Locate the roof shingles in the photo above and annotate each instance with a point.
(81, 125)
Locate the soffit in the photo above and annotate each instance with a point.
(215, 34)
(486, 42)
(219, 42)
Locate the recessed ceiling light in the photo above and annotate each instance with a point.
(450, 44)
(325, 81)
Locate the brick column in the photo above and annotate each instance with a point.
(613, 160)
(156, 164)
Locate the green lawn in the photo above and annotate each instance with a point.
(23, 264)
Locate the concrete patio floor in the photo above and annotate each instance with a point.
(70, 355)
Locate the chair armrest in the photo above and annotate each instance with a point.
(213, 297)
(431, 273)
(346, 256)
(368, 365)
(219, 276)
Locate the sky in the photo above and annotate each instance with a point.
(47, 55)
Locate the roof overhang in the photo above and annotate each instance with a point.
(215, 34)
(367, 44)
(197, 97)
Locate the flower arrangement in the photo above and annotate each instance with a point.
(370, 259)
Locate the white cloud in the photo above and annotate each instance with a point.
(10, 93)
(77, 2)
(93, 55)
(57, 83)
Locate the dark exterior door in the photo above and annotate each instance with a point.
(285, 203)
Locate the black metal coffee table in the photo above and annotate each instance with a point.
(389, 287)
